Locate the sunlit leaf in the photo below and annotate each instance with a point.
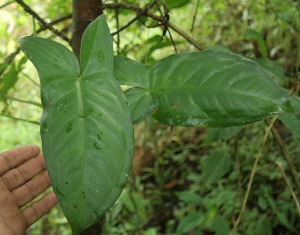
(86, 125)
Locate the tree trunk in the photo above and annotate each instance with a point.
(84, 12)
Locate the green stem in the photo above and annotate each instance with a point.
(234, 229)
(288, 158)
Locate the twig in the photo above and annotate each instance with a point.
(288, 158)
(54, 22)
(195, 15)
(117, 26)
(43, 22)
(252, 176)
(22, 101)
(289, 186)
(166, 17)
(12, 56)
(6, 4)
(140, 13)
(20, 119)
(155, 17)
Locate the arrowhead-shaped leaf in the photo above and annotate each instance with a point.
(86, 125)
(209, 88)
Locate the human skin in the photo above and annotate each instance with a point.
(23, 177)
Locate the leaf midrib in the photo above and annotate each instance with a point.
(162, 90)
(82, 124)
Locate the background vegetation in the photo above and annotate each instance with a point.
(184, 180)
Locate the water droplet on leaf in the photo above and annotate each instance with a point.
(44, 128)
(60, 193)
(100, 56)
(61, 107)
(86, 112)
(96, 146)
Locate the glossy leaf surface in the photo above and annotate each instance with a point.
(210, 88)
(86, 125)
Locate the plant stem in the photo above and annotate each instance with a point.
(288, 158)
(22, 101)
(289, 186)
(252, 177)
(20, 119)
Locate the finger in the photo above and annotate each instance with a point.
(40, 208)
(14, 157)
(32, 189)
(24, 172)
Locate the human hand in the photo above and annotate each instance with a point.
(23, 177)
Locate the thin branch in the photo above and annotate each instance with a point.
(195, 15)
(140, 13)
(242, 210)
(155, 17)
(166, 16)
(12, 56)
(288, 158)
(6, 4)
(20, 119)
(117, 26)
(289, 186)
(43, 22)
(54, 22)
(22, 101)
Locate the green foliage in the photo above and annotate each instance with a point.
(86, 126)
(170, 188)
(86, 114)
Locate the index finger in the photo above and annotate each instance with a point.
(16, 156)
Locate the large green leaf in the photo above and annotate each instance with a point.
(86, 125)
(209, 88)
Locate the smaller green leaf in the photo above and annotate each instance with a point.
(292, 120)
(263, 226)
(9, 79)
(189, 197)
(142, 103)
(254, 35)
(130, 72)
(221, 226)
(189, 222)
(216, 165)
